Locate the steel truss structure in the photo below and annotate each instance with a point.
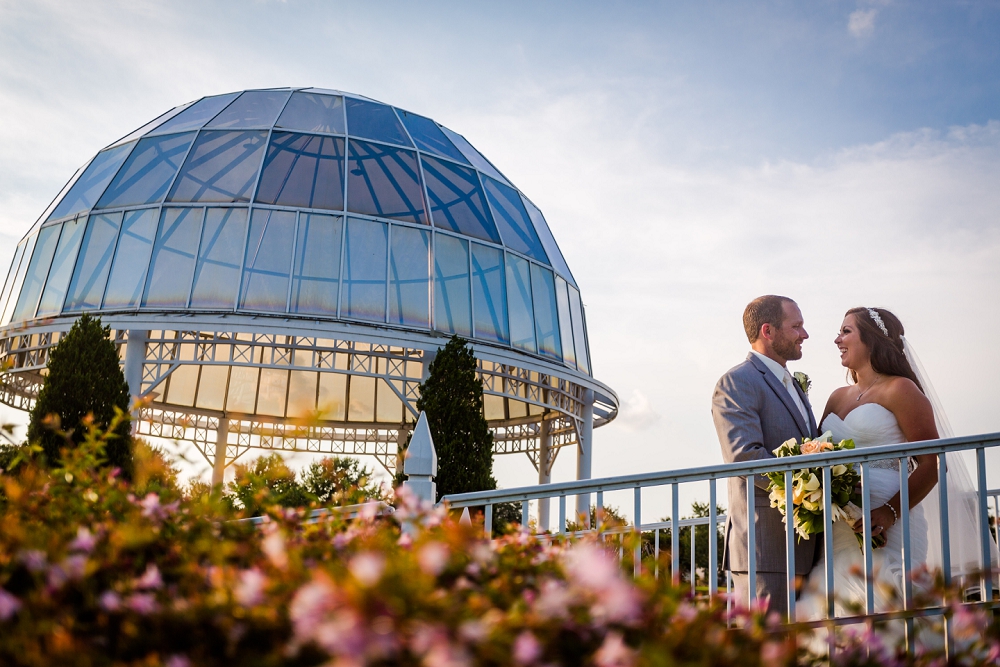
(535, 412)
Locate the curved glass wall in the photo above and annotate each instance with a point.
(307, 203)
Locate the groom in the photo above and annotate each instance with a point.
(757, 406)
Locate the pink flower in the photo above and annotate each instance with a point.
(177, 660)
(816, 447)
(774, 653)
(526, 649)
(614, 653)
(109, 601)
(84, 540)
(250, 589)
(142, 603)
(367, 568)
(74, 567)
(591, 567)
(34, 560)
(150, 579)
(310, 605)
(9, 605)
(273, 547)
(433, 558)
(554, 600)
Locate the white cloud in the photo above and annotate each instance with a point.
(861, 22)
(637, 413)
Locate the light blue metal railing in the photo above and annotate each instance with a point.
(710, 474)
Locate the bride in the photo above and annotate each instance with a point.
(887, 404)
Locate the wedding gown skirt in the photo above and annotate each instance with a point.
(868, 425)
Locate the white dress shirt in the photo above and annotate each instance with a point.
(786, 379)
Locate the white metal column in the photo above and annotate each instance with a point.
(544, 473)
(221, 440)
(135, 355)
(584, 453)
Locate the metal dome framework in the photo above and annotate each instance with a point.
(278, 268)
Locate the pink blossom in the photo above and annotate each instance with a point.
(367, 568)
(250, 589)
(109, 601)
(433, 558)
(773, 653)
(56, 578)
(591, 567)
(151, 507)
(554, 600)
(142, 603)
(526, 649)
(614, 653)
(9, 605)
(84, 540)
(446, 654)
(177, 660)
(150, 579)
(405, 541)
(34, 560)
(311, 603)
(273, 547)
(74, 567)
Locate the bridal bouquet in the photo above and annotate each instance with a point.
(807, 487)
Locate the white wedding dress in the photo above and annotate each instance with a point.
(868, 425)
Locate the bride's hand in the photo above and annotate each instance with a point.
(882, 520)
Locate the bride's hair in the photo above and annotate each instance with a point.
(885, 348)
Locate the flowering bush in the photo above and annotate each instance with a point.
(96, 571)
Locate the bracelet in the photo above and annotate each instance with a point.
(894, 515)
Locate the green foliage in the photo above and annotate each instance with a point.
(452, 398)
(84, 378)
(340, 480)
(331, 481)
(96, 571)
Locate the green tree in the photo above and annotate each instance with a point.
(267, 480)
(452, 397)
(84, 378)
(339, 480)
(701, 536)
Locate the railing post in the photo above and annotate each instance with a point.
(713, 543)
(421, 464)
(790, 545)
(986, 579)
(945, 544)
(637, 523)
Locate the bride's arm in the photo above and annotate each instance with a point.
(916, 419)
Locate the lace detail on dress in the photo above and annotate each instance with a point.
(887, 464)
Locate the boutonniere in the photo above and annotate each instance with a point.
(804, 382)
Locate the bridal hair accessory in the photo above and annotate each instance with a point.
(878, 320)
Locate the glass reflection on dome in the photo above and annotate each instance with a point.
(85, 192)
(457, 200)
(217, 272)
(519, 311)
(363, 290)
(254, 108)
(429, 137)
(489, 304)
(128, 273)
(268, 261)
(316, 274)
(196, 115)
(452, 309)
(370, 120)
(221, 167)
(86, 290)
(515, 226)
(384, 181)
(543, 292)
(172, 262)
(62, 266)
(303, 170)
(309, 112)
(148, 172)
(409, 277)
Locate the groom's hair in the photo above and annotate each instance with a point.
(767, 309)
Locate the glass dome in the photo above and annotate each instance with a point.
(303, 203)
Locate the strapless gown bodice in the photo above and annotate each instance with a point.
(868, 425)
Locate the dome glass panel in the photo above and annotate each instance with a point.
(543, 292)
(579, 335)
(429, 137)
(148, 127)
(13, 274)
(512, 218)
(520, 313)
(316, 275)
(565, 322)
(457, 200)
(128, 273)
(148, 172)
(268, 261)
(377, 122)
(171, 266)
(364, 289)
(220, 255)
(62, 267)
(38, 269)
(409, 277)
(548, 241)
(303, 170)
(222, 167)
(86, 290)
(452, 298)
(384, 181)
(488, 300)
(313, 113)
(88, 188)
(255, 108)
(197, 114)
(473, 156)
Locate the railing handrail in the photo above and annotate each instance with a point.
(721, 471)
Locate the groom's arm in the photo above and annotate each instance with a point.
(736, 414)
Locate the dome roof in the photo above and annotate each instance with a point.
(303, 203)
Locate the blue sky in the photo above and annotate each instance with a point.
(689, 157)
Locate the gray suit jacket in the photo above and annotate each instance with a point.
(753, 414)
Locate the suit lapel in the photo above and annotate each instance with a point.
(782, 394)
